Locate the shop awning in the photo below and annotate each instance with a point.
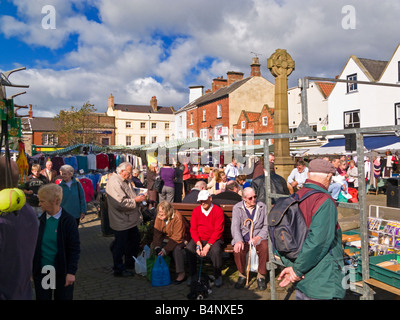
(370, 142)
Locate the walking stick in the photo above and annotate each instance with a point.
(249, 259)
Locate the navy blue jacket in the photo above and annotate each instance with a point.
(68, 244)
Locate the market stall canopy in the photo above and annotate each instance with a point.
(72, 149)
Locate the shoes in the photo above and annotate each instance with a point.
(124, 274)
(218, 282)
(241, 282)
(179, 281)
(261, 284)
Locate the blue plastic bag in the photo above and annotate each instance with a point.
(160, 274)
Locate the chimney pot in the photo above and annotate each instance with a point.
(111, 101)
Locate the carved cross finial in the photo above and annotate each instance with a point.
(280, 63)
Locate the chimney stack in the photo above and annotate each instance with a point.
(255, 68)
(234, 76)
(153, 103)
(111, 101)
(30, 112)
(195, 92)
(218, 83)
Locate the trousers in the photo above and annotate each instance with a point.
(215, 255)
(262, 252)
(126, 245)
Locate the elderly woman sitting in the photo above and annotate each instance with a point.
(169, 224)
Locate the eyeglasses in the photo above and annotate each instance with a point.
(251, 198)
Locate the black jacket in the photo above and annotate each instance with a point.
(226, 197)
(68, 245)
(278, 186)
(191, 197)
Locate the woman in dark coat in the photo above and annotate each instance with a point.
(151, 177)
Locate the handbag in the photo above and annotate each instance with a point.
(160, 274)
(158, 184)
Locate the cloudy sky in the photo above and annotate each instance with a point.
(76, 51)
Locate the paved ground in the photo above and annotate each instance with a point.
(95, 280)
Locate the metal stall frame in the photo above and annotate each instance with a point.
(304, 130)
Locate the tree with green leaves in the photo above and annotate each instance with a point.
(76, 126)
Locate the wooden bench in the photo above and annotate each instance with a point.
(186, 209)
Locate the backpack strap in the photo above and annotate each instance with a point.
(307, 194)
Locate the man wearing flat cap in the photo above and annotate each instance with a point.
(317, 271)
(206, 229)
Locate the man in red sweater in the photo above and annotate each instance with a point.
(206, 228)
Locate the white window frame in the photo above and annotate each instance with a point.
(128, 140)
(204, 115)
(204, 134)
(143, 125)
(243, 125)
(191, 118)
(352, 87)
(397, 113)
(265, 121)
(219, 111)
(154, 125)
(398, 71)
(348, 119)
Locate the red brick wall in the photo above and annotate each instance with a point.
(256, 126)
(211, 116)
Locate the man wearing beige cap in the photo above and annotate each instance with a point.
(317, 271)
(206, 229)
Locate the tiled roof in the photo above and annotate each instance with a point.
(326, 88)
(374, 67)
(252, 116)
(212, 96)
(142, 109)
(222, 92)
(43, 124)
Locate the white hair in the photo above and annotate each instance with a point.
(246, 191)
(67, 168)
(123, 166)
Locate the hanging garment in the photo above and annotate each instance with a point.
(87, 188)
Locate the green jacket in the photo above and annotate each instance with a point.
(320, 260)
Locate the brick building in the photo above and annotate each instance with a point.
(255, 122)
(44, 132)
(213, 114)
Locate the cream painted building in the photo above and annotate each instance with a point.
(141, 124)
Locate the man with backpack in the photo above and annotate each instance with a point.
(317, 269)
